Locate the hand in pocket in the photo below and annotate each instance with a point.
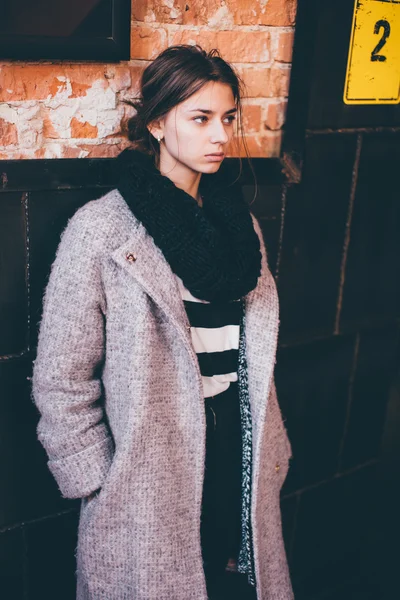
(92, 495)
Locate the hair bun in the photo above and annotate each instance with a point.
(135, 127)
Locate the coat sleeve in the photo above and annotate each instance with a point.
(273, 398)
(66, 382)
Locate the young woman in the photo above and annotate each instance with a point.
(154, 371)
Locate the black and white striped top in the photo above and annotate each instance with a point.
(215, 332)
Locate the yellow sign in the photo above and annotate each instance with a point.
(373, 65)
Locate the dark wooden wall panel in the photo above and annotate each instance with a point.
(12, 564)
(377, 356)
(343, 163)
(28, 489)
(266, 204)
(313, 382)
(49, 211)
(13, 276)
(372, 281)
(313, 238)
(333, 536)
(51, 564)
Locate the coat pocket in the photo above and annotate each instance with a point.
(89, 499)
(88, 503)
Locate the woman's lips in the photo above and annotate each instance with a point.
(215, 157)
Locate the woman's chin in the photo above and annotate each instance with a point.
(211, 167)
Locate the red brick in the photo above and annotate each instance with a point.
(48, 128)
(266, 83)
(256, 81)
(285, 47)
(157, 11)
(70, 152)
(82, 130)
(275, 115)
(40, 153)
(251, 118)
(279, 83)
(82, 77)
(79, 89)
(56, 86)
(243, 46)
(21, 82)
(258, 146)
(135, 75)
(8, 133)
(141, 9)
(186, 12)
(147, 42)
(102, 150)
(120, 77)
(203, 12)
(278, 13)
(37, 82)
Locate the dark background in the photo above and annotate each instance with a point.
(330, 213)
(64, 18)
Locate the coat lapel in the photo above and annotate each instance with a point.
(141, 259)
(262, 322)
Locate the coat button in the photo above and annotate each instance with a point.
(277, 467)
(131, 257)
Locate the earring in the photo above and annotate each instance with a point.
(158, 139)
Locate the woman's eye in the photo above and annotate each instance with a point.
(227, 120)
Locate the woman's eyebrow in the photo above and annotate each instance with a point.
(210, 112)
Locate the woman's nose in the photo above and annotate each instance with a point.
(219, 134)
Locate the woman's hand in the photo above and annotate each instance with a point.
(92, 495)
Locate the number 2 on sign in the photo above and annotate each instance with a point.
(386, 32)
(373, 61)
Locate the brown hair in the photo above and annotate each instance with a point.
(176, 74)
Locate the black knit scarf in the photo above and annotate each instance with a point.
(214, 249)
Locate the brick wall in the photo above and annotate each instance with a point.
(62, 110)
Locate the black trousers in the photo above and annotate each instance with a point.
(231, 586)
(221, 507)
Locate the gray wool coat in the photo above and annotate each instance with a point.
(118, 386)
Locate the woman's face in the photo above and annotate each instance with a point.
(196, 132)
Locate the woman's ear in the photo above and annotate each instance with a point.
(156, 130)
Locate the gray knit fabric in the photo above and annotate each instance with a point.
(119, 390)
